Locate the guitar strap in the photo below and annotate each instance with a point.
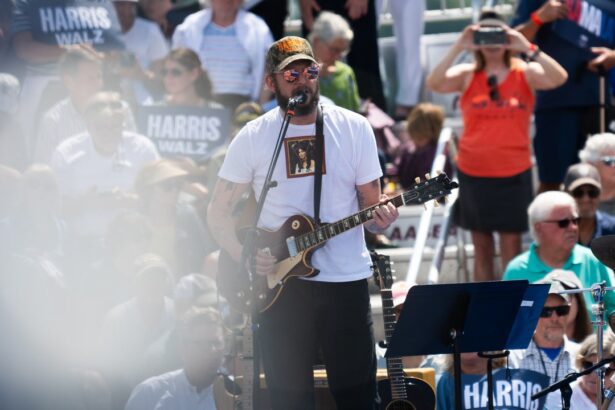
(318, 163)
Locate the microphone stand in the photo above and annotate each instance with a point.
(248, 252)
(564, 384)
(598, 290)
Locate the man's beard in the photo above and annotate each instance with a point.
(300, 109)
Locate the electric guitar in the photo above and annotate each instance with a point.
(294, 243)
(398, 392)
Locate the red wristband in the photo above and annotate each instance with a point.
(534, 17)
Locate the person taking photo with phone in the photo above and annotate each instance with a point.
(497, 100)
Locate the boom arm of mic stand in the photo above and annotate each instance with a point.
(570, 378)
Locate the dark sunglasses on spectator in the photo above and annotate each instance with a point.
(311, 73)
(607, 371)
(608, 161)
(173, 72)
(562, 310)
(564, 223)
(592, 192)
(492, 82)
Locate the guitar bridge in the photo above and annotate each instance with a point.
(292, 246)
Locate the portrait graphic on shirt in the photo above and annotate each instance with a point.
(301, 156)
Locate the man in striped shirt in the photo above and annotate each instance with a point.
(550, 352)
(81, 73)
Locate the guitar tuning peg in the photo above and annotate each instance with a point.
(436, 204)
(446, 200)
(427, 176)
(417, 180)
(439, 172)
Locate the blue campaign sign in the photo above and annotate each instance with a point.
(512, 390)
(68, 22)
(193, 132)
(589, 23)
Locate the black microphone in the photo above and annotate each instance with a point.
(297, 99)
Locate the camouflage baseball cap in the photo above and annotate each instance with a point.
(286, 50)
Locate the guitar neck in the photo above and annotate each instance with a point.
(322, 234)
(247, 388)
(395, 366)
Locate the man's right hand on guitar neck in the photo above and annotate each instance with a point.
(264, 262)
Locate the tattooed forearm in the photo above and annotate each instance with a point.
(373, 188)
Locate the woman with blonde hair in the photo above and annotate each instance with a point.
(494, 159)
(585, 389)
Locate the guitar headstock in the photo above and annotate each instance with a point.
(430, 189)
(383, 274)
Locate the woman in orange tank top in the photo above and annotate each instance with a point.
(494, 159)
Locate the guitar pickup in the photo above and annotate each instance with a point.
(292, 246)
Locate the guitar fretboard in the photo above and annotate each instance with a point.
(326, 232)
(395, 366)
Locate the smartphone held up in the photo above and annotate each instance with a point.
(490, 36)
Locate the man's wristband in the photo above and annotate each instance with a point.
(534, 52)
(534, 17)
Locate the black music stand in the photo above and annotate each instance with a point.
(467, 317)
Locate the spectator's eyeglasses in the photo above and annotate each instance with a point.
(608, 161)
(173, 72)
(607, 372)
(564, 223)
(311, 73)
(494, 93)
(592, 192)
(562, 310)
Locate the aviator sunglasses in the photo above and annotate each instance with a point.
(607, 371)
(564, 223)
(311, 73)
(559, 311)
(492, 83)
(592, 192)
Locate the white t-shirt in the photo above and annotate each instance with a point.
(63, 121)
(146, 41)
(80, 168)
(170, 391)
(579, 400)
(350, 159)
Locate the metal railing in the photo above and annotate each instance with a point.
(446, 149)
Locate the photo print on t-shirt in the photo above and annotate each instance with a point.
(301, 156)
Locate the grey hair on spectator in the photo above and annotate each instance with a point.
(9, 93)
(596, 146)
(543, 204)
(328, 27)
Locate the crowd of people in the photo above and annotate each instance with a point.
(117, 117)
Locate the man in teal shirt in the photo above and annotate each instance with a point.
(553, 220)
